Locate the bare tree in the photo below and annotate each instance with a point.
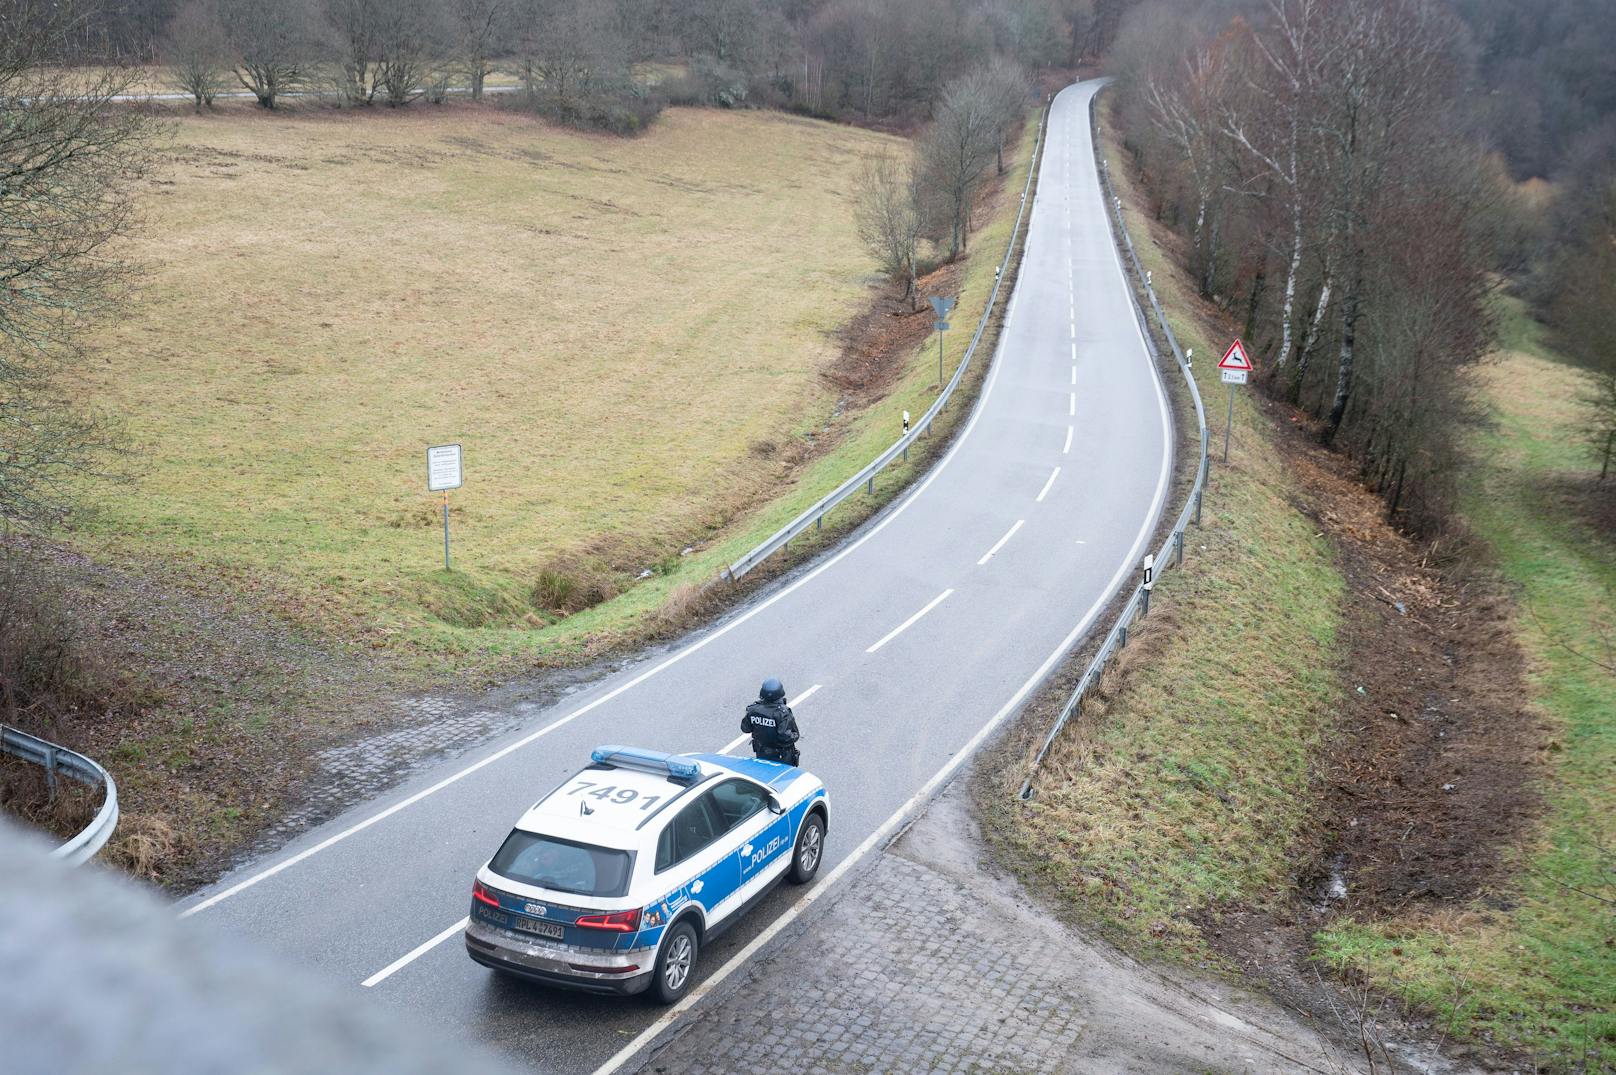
(889, 211)
(1379, 95)
(273, 43)
(411, 45)
(1009, 92)
(68, 157)
(479, 27)
(354, 29)
(956, 152)
(1184, 106)
(1267, 126)
(196, 52)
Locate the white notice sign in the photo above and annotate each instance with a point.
(1234, 376)
(442, 468)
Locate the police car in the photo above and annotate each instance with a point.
(614, 881)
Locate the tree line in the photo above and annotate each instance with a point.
(926, 194)
(1336, 199)
(873, 61)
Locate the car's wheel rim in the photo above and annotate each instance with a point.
(809, 859)
(678, 966)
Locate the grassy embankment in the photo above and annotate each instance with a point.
(1535, 969)
(1188, 787)
(626, 336)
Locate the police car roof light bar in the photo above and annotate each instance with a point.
(656, 762)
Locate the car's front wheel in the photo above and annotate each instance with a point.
(675, 964)
(810, 849)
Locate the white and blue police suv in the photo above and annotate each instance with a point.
(615, 880)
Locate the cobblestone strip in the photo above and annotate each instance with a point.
(928, 962)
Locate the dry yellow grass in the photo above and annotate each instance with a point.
(612, 328)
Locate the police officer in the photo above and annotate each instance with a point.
(773, 728)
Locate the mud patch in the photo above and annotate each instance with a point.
(1432, 774)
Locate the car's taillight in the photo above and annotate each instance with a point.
(480, 893)
(617, 921)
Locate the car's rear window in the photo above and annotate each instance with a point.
(548, 862)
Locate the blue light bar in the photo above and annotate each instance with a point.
(672, 766)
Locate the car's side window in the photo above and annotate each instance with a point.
(696, 826)
(738, 800)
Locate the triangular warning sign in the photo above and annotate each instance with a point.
(1235, 358)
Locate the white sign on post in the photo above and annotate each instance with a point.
(442, 468)
(1235, 376)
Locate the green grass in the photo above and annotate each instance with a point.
(626, 336)
(1188, 787)
(1541, 975)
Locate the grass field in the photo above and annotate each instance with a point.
(1535, 970)
(626, 337)
(1188, 787)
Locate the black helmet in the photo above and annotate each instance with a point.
(771, 691)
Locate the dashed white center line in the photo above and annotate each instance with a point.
(1047, 485)
(911, 621)
(1074, 374)
(415, 953)
(989, 554)
(1074, 352)
(1068, 449)
(1072, 405)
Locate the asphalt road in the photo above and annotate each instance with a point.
(917, 637)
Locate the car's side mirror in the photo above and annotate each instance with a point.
(775, 806)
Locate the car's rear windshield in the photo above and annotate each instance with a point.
(548, 862)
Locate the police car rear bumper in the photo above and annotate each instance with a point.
(570, 967)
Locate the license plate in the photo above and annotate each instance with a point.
(543, 929)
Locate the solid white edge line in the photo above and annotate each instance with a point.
(1047, 486)
(1068, 449)
(415, 953)
(737, 741)
(911, 621)
(650, 1033)
(893, 513)
(989, 554)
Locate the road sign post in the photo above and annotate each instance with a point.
(1235, 367)
(940, 306)
(442, 474)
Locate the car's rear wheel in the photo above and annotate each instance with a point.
(675, 964)
(809, 851)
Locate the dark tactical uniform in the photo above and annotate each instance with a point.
(774, 731)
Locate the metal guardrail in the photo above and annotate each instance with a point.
(54, 759)
(815, 515)
(1138, 603)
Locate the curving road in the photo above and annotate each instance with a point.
(903, 650)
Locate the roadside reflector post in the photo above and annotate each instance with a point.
(1178, 548)
(1150, 581)
(906, 433)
